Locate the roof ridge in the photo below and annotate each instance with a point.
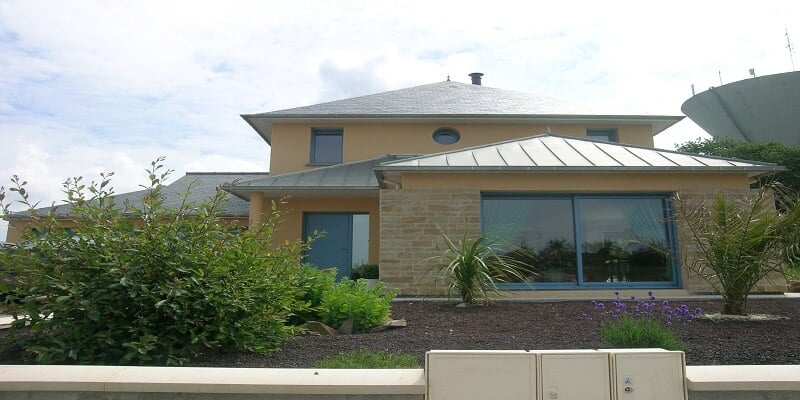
(357, 97)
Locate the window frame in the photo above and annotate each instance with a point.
(446, 132)
(580, 284)
(611, 133)
(318, 132)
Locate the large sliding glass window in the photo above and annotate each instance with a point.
(585, 240)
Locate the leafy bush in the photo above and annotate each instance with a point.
(630, 332)
(742, 240)
(312, 283)
(640, 322)
(473, 267)
(365, 271)
(369, 359)
(351, 299)
(146, 284)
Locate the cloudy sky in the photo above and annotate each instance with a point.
(93, 86)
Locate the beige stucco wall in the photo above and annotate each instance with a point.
(291, 226)
(361, 141)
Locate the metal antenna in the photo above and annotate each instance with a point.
(790, 47)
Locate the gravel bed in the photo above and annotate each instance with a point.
(537, 325)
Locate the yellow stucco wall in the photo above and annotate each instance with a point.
(291, 227)
(291, 143)
(573, 182)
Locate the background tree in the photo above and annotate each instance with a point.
(774, 152)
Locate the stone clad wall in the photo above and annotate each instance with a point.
(411, 240)
(688, 249)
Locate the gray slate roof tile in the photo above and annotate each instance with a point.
(442, 98)
(202, 185)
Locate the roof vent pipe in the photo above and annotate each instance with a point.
(476, 78)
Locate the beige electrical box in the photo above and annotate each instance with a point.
(574, 375)
(649, 374)
(480, 375)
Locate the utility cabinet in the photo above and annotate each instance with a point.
(612, 374)
(480, 375)
(652, 374)
(574, 375)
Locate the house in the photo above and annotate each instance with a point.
(586, 193)
(583, 193)
(195, 187)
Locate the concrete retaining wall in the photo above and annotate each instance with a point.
(773, 382)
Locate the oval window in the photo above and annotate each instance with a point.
(446, 136)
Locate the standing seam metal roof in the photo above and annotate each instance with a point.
(558, 153)
(355, 175)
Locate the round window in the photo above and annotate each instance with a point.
(446, 136)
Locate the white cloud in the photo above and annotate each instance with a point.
(91, 86)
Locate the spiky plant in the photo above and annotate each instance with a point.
(473, 267)
(742, 240)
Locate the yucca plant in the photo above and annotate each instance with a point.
(473, 267)
(742, 240)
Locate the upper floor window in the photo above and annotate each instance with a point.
(446, 136)
(602, 135)
(326, 146)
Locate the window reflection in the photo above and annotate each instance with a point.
(538, 232)
(623, 239)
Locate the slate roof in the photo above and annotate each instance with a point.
(565, 154)
(202, 185)
(350, 176)
(448, 100)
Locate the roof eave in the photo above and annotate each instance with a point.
(266, 133)
(752, 171)
(659, 122)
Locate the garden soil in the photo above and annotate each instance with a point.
(538, 326)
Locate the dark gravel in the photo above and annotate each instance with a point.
(536, 325)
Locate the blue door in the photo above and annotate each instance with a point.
(334, 248)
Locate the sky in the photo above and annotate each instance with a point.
(98, 86)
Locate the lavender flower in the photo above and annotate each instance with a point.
(642, 308)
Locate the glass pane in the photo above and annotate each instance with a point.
(360, 239)
(538, 232)
(624, 240)
(327, 148)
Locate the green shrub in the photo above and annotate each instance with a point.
(369, 359)
(365, 271)
(145, 284)
(641, 323)
(313, 283)
(473, 267)
(629, 332)
(350, 299)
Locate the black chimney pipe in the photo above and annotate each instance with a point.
(476, 78)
